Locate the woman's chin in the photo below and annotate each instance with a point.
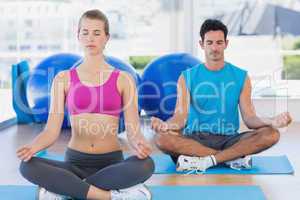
(92, 52)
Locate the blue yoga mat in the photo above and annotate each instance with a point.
(261, 165)
(12, 192)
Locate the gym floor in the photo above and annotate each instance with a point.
(275, 187)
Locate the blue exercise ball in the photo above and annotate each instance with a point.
(40, 81)
(124, 66)
(158, 87)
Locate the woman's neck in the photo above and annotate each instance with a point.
(94, 64)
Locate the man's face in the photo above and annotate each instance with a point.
(214, 45)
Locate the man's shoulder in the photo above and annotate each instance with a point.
(237, 73)
(236, 68)
(192, 70)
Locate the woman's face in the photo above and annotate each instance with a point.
(92, 36)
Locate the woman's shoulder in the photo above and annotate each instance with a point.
(62, 76)
(125, 81)
(124, 76)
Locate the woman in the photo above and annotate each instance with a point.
(94, 94)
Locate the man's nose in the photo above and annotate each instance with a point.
(214, 47)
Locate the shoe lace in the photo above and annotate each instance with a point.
(194, 165)
(241, 164)
(236, 166)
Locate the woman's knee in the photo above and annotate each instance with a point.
(149, 165)
(146, 165)
(31, 169)
(26, 168)
(147, 168)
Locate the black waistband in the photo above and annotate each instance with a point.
(91, 160)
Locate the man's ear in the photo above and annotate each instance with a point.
(201, 43)
(226, 43)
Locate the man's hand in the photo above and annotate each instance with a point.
(159, 125)
(281, 120)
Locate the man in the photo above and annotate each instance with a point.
(203, 131)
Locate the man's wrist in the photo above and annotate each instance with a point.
(268, 121)
(172, 126)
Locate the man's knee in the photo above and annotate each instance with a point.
(163, 142)
(270, 136)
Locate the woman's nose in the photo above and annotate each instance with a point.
(90, 37)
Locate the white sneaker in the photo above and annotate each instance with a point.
(187, 163)
(137, 192)
(43, 194)
(240, 163)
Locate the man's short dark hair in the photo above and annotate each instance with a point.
(212, 25)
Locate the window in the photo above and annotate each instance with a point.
(35, 30)
(268, 53)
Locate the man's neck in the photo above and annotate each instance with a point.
(214, 66)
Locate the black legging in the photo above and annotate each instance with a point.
(73, 177)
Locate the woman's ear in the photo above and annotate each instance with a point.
(78, 31)
(107, 37)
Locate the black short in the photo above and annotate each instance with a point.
(217, 142)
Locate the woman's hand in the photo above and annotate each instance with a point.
(26, 152)
(141, 147)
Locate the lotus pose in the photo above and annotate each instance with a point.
(95, 93)
(203, 131)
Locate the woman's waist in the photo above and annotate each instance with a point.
(92, 159)
(94, 145)
(94, 126)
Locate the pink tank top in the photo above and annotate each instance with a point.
(103, 99)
